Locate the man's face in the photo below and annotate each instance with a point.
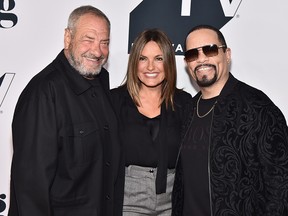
(205, 70)
(87, 48)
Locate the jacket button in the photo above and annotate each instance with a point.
(107, 163)
(106, 127)
(107, 197)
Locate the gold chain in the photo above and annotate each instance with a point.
(197, 108)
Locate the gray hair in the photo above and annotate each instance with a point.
(82, 10)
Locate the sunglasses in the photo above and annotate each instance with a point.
(209, 50)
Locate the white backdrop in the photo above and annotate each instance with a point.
(257, 36)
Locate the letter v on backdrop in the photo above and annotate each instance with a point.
(176, 18)
(5, 82)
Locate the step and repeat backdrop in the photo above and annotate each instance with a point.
(32, 34)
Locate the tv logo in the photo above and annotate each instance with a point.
(176, 18)
(2, 203)
(7, 20)
(5, 82)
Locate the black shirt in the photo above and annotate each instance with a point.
(141, 147)
(194, 153)
(142, 144)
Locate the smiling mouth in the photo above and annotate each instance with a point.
(93, 58)
(204, 67)
(151, 75)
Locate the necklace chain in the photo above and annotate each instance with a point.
(197, 108)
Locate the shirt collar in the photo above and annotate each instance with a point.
(76, 81)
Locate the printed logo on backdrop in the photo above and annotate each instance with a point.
(5, 83)
(7, 18)
(2, 203)
(177, 17)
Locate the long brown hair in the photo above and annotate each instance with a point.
(169, 62)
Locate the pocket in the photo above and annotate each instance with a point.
(137, 191)
(75, 201)
(83, 143)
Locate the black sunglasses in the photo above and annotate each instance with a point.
(208, 50)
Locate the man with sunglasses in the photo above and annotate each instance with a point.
(234, 154)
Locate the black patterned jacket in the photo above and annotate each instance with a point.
(248, 155)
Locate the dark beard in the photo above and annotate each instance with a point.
(204, 82)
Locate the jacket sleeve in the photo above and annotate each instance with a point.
(273, 151)
(34, 156)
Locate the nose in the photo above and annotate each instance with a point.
(150, 66)
(96, 49)
(201, 56)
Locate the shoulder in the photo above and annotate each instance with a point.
(261, 103)
(54, 72)
(182, 97)
(240, 92)
(182, 101)
(119, 92)
(41, 81)
(246, 97)
(250, 93)
(118, 95)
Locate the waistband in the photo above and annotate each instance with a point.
(134, 170)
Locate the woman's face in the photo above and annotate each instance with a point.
(151, 66)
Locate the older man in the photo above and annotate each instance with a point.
(65, 140)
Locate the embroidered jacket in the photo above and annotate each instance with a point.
(248, 157)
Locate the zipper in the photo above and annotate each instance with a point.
(209, 167)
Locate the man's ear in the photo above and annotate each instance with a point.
(67, 38)
(228, 55)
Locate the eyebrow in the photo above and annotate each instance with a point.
(107, 40)
(158, 55)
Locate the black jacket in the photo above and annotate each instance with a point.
(66, 150)
(248, 155)
(169, 134)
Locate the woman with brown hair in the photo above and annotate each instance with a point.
(151, 111)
